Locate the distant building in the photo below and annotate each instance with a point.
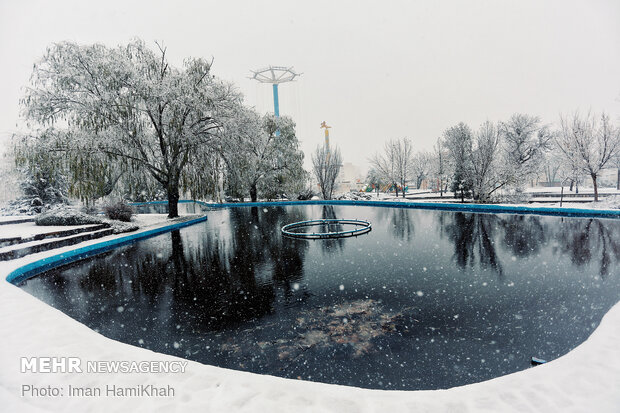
(349, 179)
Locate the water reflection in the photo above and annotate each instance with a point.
(400, 221)
(473, 236)
(477, 237)
(417, 303)
(588, 239)
(524, 235)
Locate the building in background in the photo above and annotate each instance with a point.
(350, 178)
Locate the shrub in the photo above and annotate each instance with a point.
(65, 216)
(305, 194)
(120, 211)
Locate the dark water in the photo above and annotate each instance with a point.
(427, 300)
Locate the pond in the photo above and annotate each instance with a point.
(426, 300)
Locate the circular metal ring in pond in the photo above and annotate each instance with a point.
(361, 227)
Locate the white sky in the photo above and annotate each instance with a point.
(373, 70)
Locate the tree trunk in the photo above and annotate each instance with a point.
(618, 181)
(595, 187)
(253, 193)
(173, 200)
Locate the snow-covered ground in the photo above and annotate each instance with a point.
(585, 380)
(30, 229)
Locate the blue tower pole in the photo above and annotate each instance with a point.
(276, 104)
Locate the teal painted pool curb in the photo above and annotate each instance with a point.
(481, 208)
(48, 263)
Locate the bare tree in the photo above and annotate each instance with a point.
(326, 164)
(525, 141)
(487, 176)
(616, 164)
(421, 167)
(553, 165)
(385, 164)
(440, 166)
(588, 143)
(403, 152)
(394, 164)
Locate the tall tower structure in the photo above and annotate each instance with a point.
(324, 125)
(275, 75)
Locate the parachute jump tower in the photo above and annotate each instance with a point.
(275, 75)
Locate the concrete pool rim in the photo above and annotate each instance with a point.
(34, 268)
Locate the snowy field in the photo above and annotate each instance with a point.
(584, 380)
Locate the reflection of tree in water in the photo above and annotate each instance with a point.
(331, 245)
(399, 220)
(215, 281)
(524, 235)
(473, 237)
(582, 239)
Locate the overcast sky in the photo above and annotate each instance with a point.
(373, 71)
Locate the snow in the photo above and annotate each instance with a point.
(148, 219)
(586, 379)
(30, 229)
(11, 218)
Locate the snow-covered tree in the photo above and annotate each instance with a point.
(421, 167)
(439, 166)
(588, 143)
(524, 141)
(395, 163)
(374, 178)
(259, 159)
(458, 142)
(495, 157)
(552, 165)
(403, 151)
(129, 108)
(326, 164)
(385, 164)
(487, 173)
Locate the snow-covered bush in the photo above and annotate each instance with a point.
(120, 211)
(41, 189)
(67, 216)
(610, 202)
(354, 196)
(305, 194)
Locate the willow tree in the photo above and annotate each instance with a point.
(126, 110)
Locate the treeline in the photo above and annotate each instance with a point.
(480, 164)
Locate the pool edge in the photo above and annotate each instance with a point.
(33, 268)
(442, 206)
